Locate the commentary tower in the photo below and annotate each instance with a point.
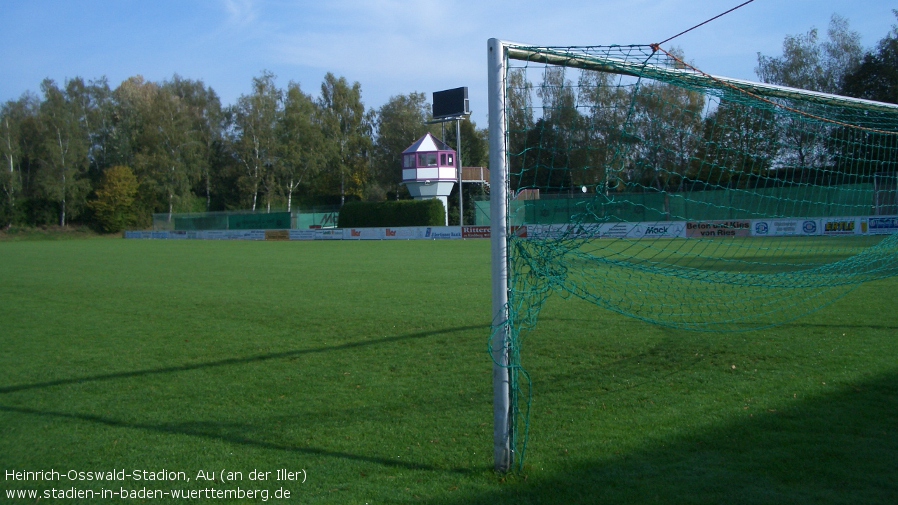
(429, 170)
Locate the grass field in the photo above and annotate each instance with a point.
(363, 366)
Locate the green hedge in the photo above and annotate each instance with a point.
(392, 213)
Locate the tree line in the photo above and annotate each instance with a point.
(82, 152)
(595, 130)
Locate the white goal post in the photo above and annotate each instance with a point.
(502, 414)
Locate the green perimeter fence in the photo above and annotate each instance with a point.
(319, 217)
(761, 203)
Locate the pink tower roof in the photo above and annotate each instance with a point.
(427, 143)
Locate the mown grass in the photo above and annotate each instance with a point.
(364, 363)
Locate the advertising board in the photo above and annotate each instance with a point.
(302, 234)
(475, 232)
(785, 227)
(841, 226)
(277, 234)
(718, 229)
(329, 234)
(404, 233)
(443, 233)
(882, 225)
(363, 234)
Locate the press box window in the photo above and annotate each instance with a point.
(427, 160)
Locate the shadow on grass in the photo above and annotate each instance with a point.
(236, 361)
(214, 431)
(194, 430)
(798, 323)
(838, 448)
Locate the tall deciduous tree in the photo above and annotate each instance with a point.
(520, 120)
(254, 136)
(606, 108)
(809, 63)
(301, 146)
(739, 146)
(174, 169)
(400, 122)
(474, 143)
(876, 78)
(202, 119)
(64, 148)
(348, 126)
(812, 64)
(13, 115)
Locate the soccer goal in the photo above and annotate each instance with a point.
(628, 178)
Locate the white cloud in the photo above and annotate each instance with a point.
(240, 12)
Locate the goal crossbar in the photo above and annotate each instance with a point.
(576, 57)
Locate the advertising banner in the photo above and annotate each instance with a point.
(548, 231)
(404, 233)
(785, 227)
(841, 226)
(721, 229)
(363, 234)
(139, 234)
(475, 232)
(214, 235)
(664, 229)
(831, 226)
(613, 230)
(277, 234)
(883, 225)
(302, 235)
(329, 234)
(443, 233)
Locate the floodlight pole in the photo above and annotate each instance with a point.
(458, 165)
(503, 452)
(461, 202)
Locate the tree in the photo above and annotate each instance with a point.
(254, 138)
(64, 147)
(114, 206)
(474, 143)
(301, 145)
(174, 168)
(347, 126)
(809, 63)
(606, 109)
(739, 146)
(876, 77)
(400, 122)
(203, 117)
(12, 118)
(519, 102)
(668, 124)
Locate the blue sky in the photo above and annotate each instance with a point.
(391, 47)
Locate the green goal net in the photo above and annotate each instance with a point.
(638, 183)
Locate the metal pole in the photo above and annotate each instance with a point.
(502, 415)
(461, 202)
